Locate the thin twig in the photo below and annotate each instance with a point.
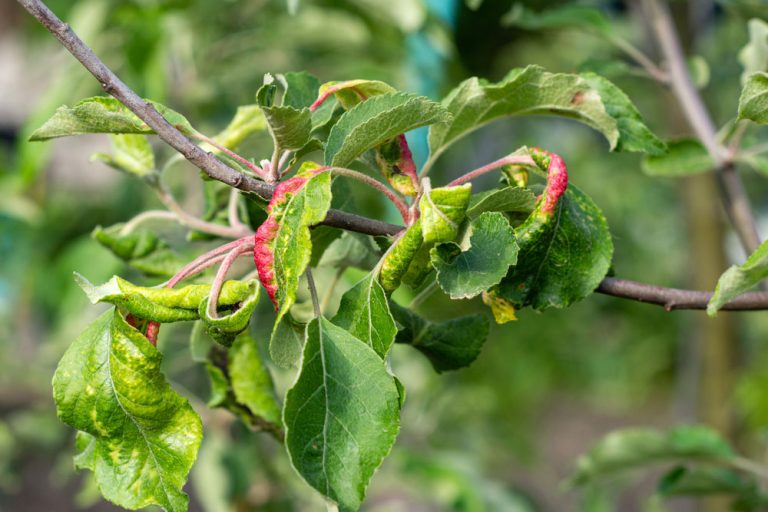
(201, 262)
(641, 59)
(234, 156)
(375, 184)
(198, 224)
(146, 216)
(674, 298)
(501, 162)
(732, 193)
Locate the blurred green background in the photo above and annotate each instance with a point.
(499, 436)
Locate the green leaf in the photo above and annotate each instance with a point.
(103, 115)
(533, 91)
(563, 255)
(376, 121)
(141, 249)
(683, 481)
(464, 272)
(364, 313)
(290, 127)
(448, 345)
(633, 134)
(639, 447)
(754, 56)
(753, 103)
(685, 157)
(224, 328)
(738, 279)
(351, 250)
(301, 89)
(342, 414)
(442, 211)
(248, 119)
(565, 16)
(399, 257)
(164, 304)
(130, 153)
(473, 4)
(220, 387)
(508, 199)
(144, 436)
(287, 342)
(251, 381)
(282, 243)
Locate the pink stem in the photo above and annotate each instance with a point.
(507, 160)
(373, 183)
(206, 260)
(234, 156)
(221, 274)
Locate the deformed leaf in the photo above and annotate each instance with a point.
(247, 120)
(341, 416)
(352, 92)
(507, 199)
(364, 313)
(283, 247)
(103, 115)
(130, 153)
(464, 273)
(377, 120)
(533, 91)
(141, 249)
(448, 345)
(399, 257)
(753, 103)
(738, 279)
(442, 211)
(163, 304)
(685, 157)
(287, 342)
(565, 245)
(142, 437)
(225, 327)
(634, 448)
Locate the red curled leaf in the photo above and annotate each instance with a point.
(282, 244)
(557, 178)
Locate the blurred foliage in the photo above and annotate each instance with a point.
(500, 435)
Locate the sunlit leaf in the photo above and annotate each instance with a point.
(142, 437)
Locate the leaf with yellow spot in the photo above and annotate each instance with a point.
(138, 436)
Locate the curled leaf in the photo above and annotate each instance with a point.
(399, 257)
(163, 304)
(283, 245)
(442, 211)
(224, 328)
(465, 272)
